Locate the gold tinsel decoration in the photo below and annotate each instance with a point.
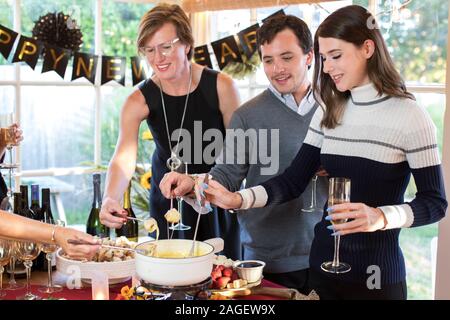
(58, 29)
(238, 70)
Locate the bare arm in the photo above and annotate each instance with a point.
(229, 99)
(123, 162)
(15, 227)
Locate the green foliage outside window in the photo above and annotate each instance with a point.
(417, 39)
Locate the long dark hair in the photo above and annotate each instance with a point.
(354, 24)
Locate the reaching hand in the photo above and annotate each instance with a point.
(221, 197)
(18, 137)
(77, 252)
(175, 184)
(112, 214)
(361, 218)
(18, 134)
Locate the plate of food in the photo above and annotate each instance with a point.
(118, 264)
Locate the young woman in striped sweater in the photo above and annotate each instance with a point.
(371, 130)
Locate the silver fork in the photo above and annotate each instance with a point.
(202, 203)
(83, 242)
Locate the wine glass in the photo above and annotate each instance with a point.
(6, 249)
(12, 284)
(180, 225)
(28, 251)
(338, 192)
(313, 206)
(49, 250)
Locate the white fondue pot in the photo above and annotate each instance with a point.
(177, 268)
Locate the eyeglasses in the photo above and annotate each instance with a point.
(165, 49)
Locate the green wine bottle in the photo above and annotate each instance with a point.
(93, 225)
(35, 207)
(24, 209)
(130, 229)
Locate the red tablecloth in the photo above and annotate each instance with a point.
(85, 293)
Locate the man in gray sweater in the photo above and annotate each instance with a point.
(274, 125)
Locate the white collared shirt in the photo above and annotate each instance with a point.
(288, 99)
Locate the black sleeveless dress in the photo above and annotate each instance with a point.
(3, 188)
(202, 113)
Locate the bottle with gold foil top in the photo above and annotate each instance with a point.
(130, 229)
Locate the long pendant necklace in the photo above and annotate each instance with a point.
(174, 162)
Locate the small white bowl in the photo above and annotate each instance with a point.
(250, 270)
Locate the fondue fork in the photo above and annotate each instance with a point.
(83, 242)
(136, 219)
(202, 202)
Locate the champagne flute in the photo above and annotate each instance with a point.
(313, 206)
(49, 250)
(6, 248)
(338, 192)
(7, 134)
(180, 225)
(28, 251)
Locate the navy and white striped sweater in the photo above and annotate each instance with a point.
(380, 141)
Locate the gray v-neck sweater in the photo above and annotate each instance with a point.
(280, 235)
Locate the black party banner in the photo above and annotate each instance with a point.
(28, 50)
(201, 56)
(7, 39)
(56, 59)
(228, 50)
(84, 65)
(113, 68)
(138, 71)
(247, 38)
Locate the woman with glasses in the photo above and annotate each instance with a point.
(15, 227)
(180, 102)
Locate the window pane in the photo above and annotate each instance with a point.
(58, 124)
(226, 23)
(6, 14)
(7, 99)
(82, 11)
(417, 38)
(416, 242)
(416, 247)
(244, 94)
(120, 26)
(112, 102)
